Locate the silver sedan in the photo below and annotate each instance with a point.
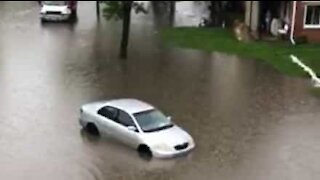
(138, 125)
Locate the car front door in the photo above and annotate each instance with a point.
(130, 137)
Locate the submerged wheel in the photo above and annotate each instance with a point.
(92, 129)
(144, 152)
(43, 20)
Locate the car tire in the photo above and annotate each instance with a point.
(92, 129)
(145, 152)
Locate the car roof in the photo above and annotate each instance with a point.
(130, 105)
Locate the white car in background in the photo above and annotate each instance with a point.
(138, 125)
(57, 10)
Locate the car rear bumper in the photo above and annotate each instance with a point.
(166, 154)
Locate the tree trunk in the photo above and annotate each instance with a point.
(125, 28)
(215, 13)
(98, 9)
(172, 12)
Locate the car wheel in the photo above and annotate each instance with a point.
(144, 152)
(92, 129)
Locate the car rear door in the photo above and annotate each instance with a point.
(106, 120)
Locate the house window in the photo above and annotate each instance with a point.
(312, 16)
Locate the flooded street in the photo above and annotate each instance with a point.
(249, 122)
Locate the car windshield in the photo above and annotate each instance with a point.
(55, 3)
(152, 120)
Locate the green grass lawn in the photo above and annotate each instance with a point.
(221, 40)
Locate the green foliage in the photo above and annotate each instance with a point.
(113, 10)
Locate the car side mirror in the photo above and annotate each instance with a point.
(132, 128)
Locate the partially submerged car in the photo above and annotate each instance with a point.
(58, 10)
(137, 124)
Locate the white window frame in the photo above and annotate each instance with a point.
(309, 26)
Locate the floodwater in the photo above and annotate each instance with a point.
(249, 122)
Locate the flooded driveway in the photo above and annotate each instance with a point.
(249, 122)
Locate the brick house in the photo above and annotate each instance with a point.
(305, 15)
(307, 20)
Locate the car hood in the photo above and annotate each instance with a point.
(172, 136)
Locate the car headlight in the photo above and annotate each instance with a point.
(162, 147)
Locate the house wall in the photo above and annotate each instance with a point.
(313, 35)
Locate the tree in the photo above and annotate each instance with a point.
(98, 9)
(225, 12)
(121, 10)
(172, 11)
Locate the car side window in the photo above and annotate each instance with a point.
(125, 119)
(108, 112)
